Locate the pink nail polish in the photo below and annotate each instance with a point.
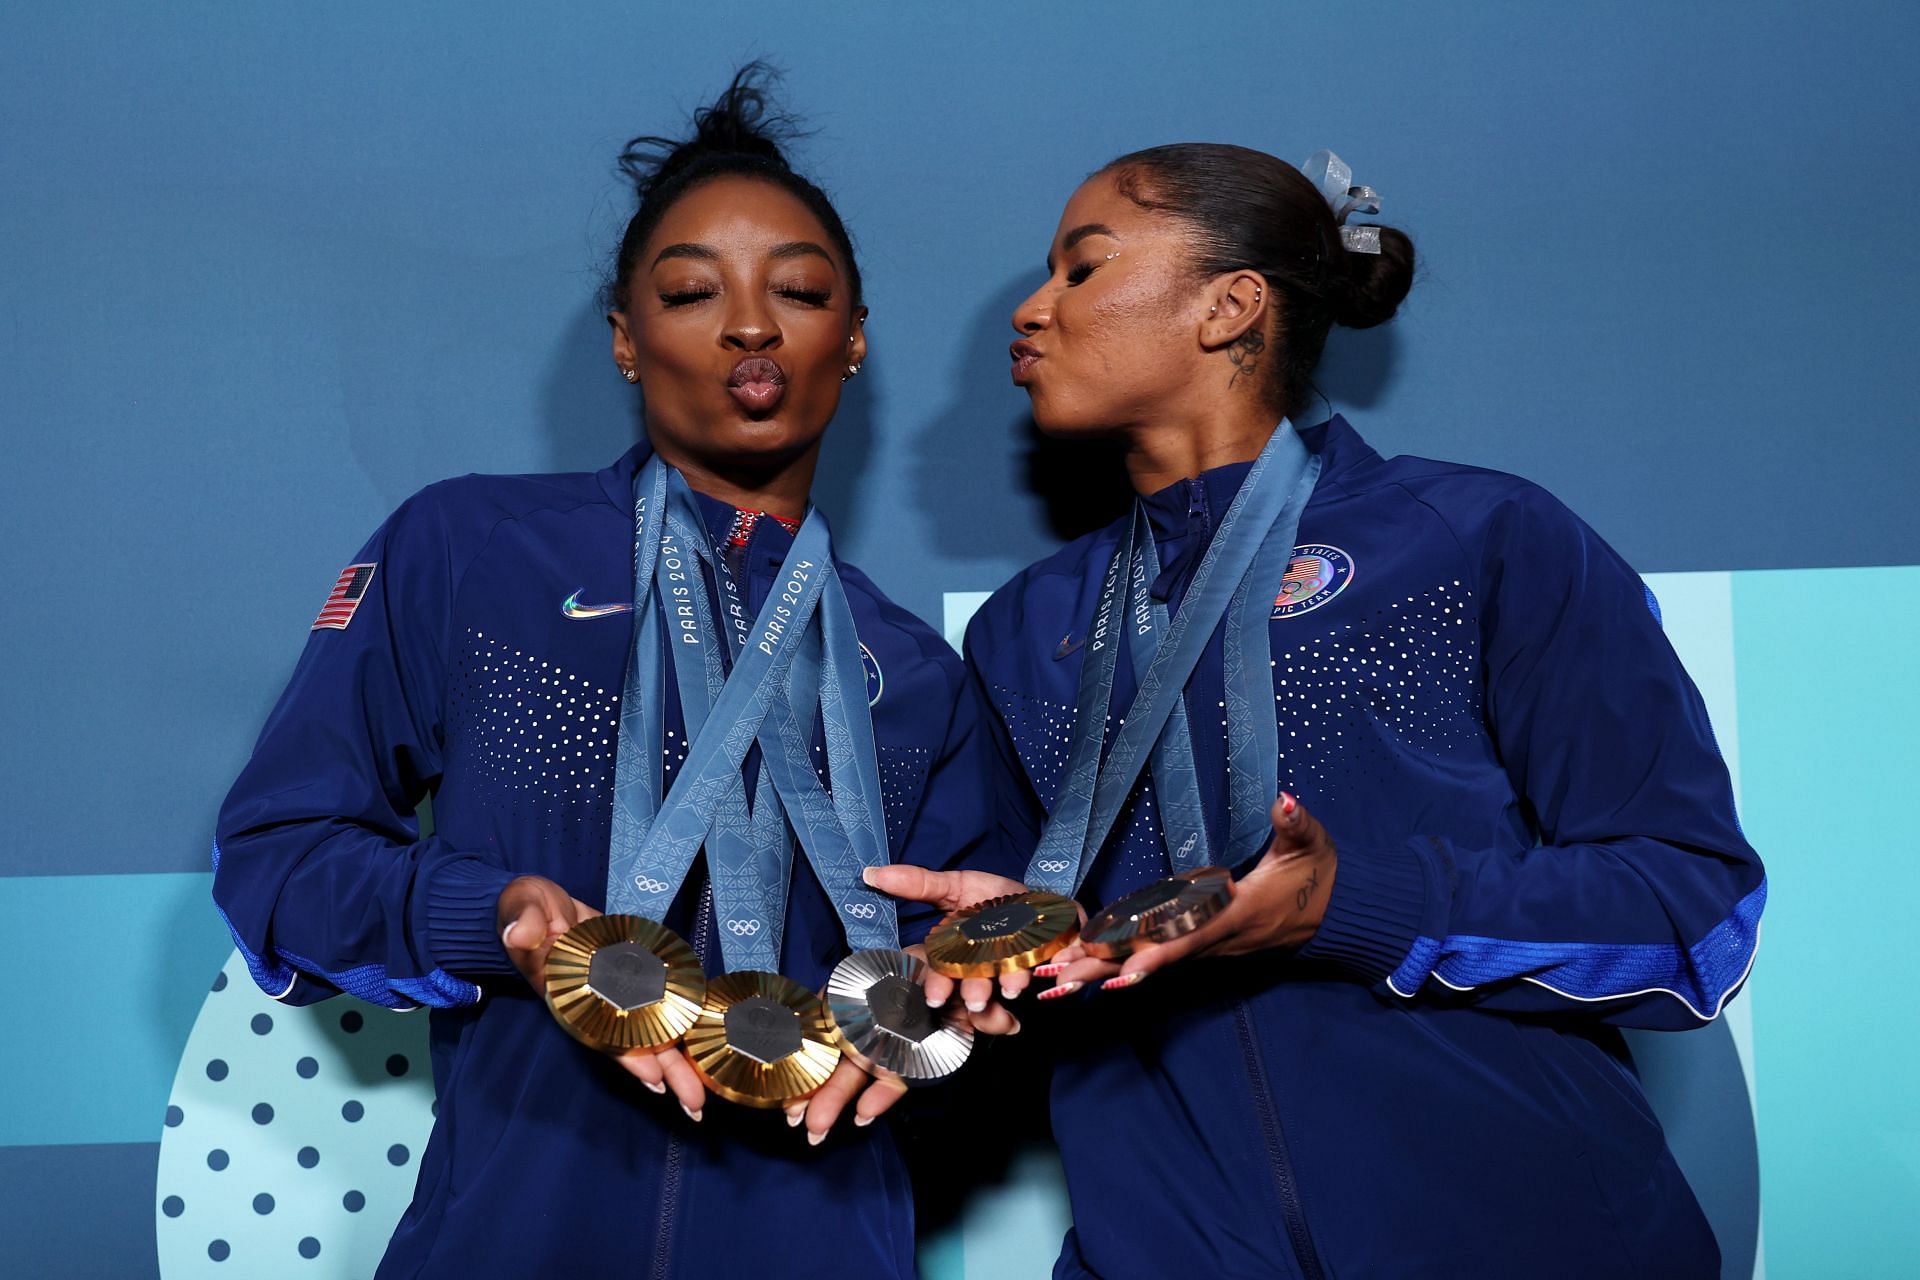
(1124, 980)
(1064, 989)
(1288, 804)
(1048, 971)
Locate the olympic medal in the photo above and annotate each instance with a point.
(1001, 935)
(1160, 912)
(623, 982)
(880, 1011)
(762, 1040)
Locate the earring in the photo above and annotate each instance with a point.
(1259, 292)
(852, 371)
(631, 375)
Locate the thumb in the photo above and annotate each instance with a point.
(1293, 827)
(915, 884)
(528, 929)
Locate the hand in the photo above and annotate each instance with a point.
(532, 912)
(877, 1091)
(1277, 904)
(950, 891)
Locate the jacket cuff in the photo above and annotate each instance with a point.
(1374, 917)
(463, 934)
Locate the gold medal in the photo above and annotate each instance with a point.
(762, 1040)
(621, 982)
(1001, 935)
(1159, 912)
(878, 1008)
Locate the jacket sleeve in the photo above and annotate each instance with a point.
(319, 867)
(955, 827)
(1639, 902)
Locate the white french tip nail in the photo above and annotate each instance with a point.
(506, 935)
(815, 1139)
(976, 1006)
(656, 1085)
(691, 1113)
(1006, 994)
(867, 875)
(934, 1004)
(861, 1122)
(795, 1117)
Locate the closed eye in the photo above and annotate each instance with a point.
(807, 297)
(685, 297)
(1078, 272)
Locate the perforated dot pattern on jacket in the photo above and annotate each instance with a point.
(1042, 733)
(537, 733)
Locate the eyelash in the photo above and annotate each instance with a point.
(806, 297)
(1078, 272)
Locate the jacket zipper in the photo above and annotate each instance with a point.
(670, 1175)
(1290, 1211)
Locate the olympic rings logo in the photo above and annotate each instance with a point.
(1053, 866)
(743, 928)
(862, 910)
(647, 884)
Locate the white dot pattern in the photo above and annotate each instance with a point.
(540, 736)
(1042, 733)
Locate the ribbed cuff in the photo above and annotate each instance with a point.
(463, 934)
(1379, 900)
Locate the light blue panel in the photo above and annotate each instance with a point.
(101, 1004)
(956, 610)
(1014, 1230)
(1829, 700)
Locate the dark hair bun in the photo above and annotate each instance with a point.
(741, 122)
(1376, 283)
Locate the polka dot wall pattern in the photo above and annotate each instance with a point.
(292, 1138)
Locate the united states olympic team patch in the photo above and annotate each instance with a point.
(1317, 573)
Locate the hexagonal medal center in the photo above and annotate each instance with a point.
(900, 1008)
(765, 1030)
(627, 975)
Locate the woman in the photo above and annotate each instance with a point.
(482, 649)
(1499, 827)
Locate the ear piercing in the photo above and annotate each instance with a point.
(631, 375)
(852, 370)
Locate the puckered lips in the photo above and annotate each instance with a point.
(1025, 356)
(759, 384)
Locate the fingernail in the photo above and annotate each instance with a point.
(506, 934)
(691, 1113)
(1124, 980)
(795, 1116)
(861, 1122)
(932, 1003)
(867, 875)
(815, 1139)
(1016, 1028)
(976, 1006)
(1288, 804)
(658, 1086)
(1064, 989)
(1048, 971)
(1008, 993)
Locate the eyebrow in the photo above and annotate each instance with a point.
(1080, 233)
(706, 253)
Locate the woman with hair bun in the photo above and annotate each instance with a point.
(498, 645)
(1471, 802)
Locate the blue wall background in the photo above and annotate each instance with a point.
(265, 270)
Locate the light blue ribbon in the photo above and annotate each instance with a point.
(792, 658)
(1238, 577)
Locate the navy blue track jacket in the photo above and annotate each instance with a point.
(483, 664)
(1537, 846)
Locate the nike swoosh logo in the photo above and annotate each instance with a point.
(1068, 643)
(572, 607)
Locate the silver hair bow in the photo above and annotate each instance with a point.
(1334, 178)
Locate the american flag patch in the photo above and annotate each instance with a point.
(345, 597)
(1305, 576)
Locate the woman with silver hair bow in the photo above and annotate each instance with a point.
(1473, 811)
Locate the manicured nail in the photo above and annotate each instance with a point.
(1288, 804)
(1016, 1028)
(976, 1006)
(795, 1116)
(861, 1122)
(932, 1003)
(1048, 971)
(1124, 980)
(506, 934)
(1064, 989)
(815, 1139)
(1008, 993)
(658, 1086)
(691, 1113)
(867, 875)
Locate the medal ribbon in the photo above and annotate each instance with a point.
(804, 623)
(1254, 537)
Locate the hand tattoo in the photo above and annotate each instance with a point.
(1305, 895)
(1245, 354)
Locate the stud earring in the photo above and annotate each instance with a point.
(1259, 292)
(631, 375)
(852, 371)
